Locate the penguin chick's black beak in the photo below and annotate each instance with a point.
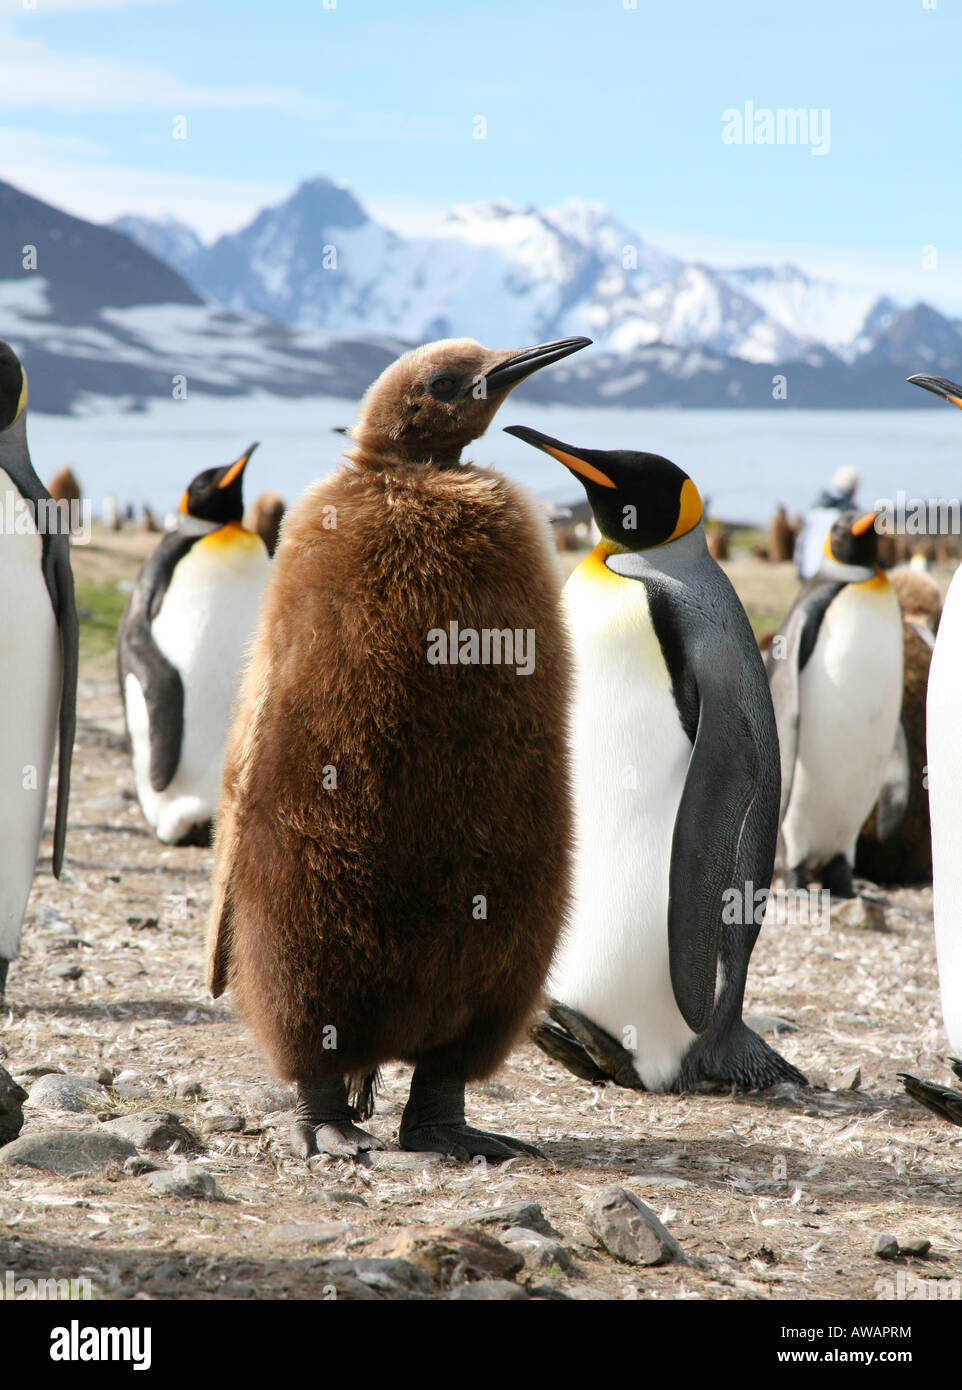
(939, 386)
(521, 364)
(563, 453)
(234, 470)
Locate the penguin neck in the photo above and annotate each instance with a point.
(15, 456)
(838, 573)
(188, 525)
(676, 559)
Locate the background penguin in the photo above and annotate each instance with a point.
(179, 651)
(38, 642)
(264, 517)
(676, 793)
(836, 677)
(393, 837)
(945, 806)
(895, 844)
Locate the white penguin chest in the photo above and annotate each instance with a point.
(630, 761)
(850, 698)
(30, 681)
(944, 736)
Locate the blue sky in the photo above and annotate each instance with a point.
(581, 97)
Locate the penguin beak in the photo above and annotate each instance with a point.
(515, 366)
(562, 452)
(864, 523)
(939, 386)
(234, 470)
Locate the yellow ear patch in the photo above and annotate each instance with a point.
(577, 465)
(183, 505)
(689, 510)
(22, 402)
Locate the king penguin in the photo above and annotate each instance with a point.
(38, 639)
(944, 746)
(836, 677)
(392, 843)
(180, 647)
(676, 794)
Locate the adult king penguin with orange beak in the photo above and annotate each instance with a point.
(392, 844)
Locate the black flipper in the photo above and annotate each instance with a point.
(941, 1100)
(584, 1048)
(138, 655)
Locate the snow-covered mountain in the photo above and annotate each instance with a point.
(505, 274)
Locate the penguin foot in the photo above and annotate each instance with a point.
(433, 1122)
(201, 835)
(836, 876)
(337, 1138)
(324, 1122)
(941, 1100)
(585, 1049)
(4, 967)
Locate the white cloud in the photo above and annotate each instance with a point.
(66, 172)
(33, 75)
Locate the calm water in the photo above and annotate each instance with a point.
(745, 461)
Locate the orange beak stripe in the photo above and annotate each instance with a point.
(234, 469)
(864, 523)
(587, 470)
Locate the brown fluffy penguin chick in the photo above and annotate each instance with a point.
(264, 517)
(895, 844)
(392, 846)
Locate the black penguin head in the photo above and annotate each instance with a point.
(939, 386)
(13, 387)
(431, 403)
(217, 494)
(853, 540)
(638, 500)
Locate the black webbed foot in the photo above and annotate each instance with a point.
(324, 1123)
(433, 1122)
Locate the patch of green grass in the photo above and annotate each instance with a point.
(764, 619)
(747, 539)
(100, 605)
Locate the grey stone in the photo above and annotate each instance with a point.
(489, 1291)
(187, 1181)
(266, 1099)
(62, 1091)
(40, 1069)
(131, 1090)
(886, 1247)
(850, 1080)
(391, 1278)
(142, 922)
(105, 1076)
(154, 1129)
(526, 1214)
(540, 1252)
(12, 1098)
(140, 1164)
(401, 1160)
(917, 1247)
(190, 1088)
(218, 1118)
(863, 913)
(70, 1151)
(630, 1230)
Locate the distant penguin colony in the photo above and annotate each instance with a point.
(179, 652)
(39, 642)
(676, 794)
(945, 806)
(392, 846)
(836, 678)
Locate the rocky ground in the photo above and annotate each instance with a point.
(154, 1162)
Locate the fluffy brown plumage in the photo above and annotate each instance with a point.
(264, 517)
(356, 906)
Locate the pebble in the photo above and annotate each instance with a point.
(70, 1151)
(218, 1118)
(769, 1025)
(849, 1080)
(65, 970)
(12, 1097)
(189, 1088)
(130, 1090)
(139, 1164)
(449, 1255)
(61, 1091)
(142, 922)
(540, 1252)
(154, 1129)
(526, 1214)
(187, 1181)
(630, 1230)
(266, 1099)
(862, 913)
(918, 1247)
(489, 1291)
(886, 1247)
(389, 1278)
(41, 1069)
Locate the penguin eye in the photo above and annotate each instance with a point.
(444, 386)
